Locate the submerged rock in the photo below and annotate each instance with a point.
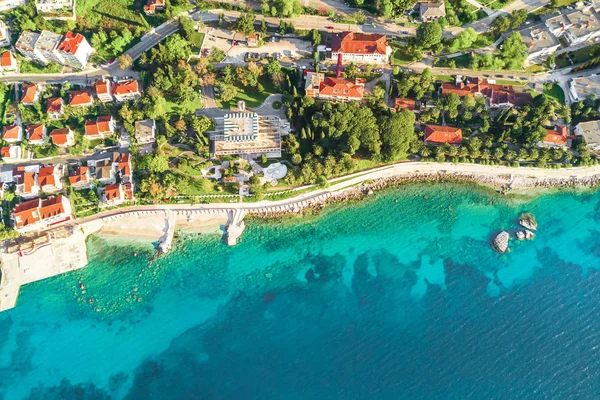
(529, 235)
(527, 220)
(500, 242)
(520, 235)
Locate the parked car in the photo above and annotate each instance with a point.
(329, 27)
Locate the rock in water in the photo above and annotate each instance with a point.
(520, 235)
(529, 235)
(527, 221)
(500, 242)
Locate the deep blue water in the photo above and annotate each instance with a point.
(399, 297)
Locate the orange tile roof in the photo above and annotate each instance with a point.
(80, 175)
(125, 88)
(102, 86)
(153, 4)
(437, 134)
(46, 176)
(55, 105)
(6, 59)
(5, 152)
(558, 135)
(80, 97)
(112, 192)
(35, 133)
(27, 179)
(358, 43)
(10, 132)
(60, 136)
(128, 189)
(402, 102)
(51, 207)
(340, 87)
(70, 43)
(27, 213)
(124, 164)
(498, 94)
(29, 91)
(99, 126)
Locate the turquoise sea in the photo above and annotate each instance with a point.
(396, 297)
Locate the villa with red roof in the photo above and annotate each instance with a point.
(80, 178)
(123, 163)
(360, 47)
(557, 137)
(126, 90)
(26, 180)
(30, 93)
(36, 133)
(504, 96)
(103, 89)
(49, 178)
(438, 134)
(80, 98)
(408, 104)
(75, 50)
(8, 62)
(100, 127)
(39, 214)
(10, 153)
(115, 194)
(152, 6)
(12, 133)
(55, 108)
(63, 137)
(334, 89)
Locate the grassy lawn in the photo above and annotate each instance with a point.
(112, 14)
(190, 169)
(400, 57)
(196, 41)
(510, 82)
(444, 78)
(556, 93)
(208, 186)
(578, 56)
(28, 67)
(463, 61)
(85, 202)
(176, 108)
(532, 69)
(496, 4)
(252, 97)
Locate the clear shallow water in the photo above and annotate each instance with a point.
(398, 298)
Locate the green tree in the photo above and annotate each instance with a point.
(501, 24)
(397, 134)
(429, 34)
(514, 51)
(315, 37)
(245, 23)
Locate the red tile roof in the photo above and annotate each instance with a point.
(80, 97)
(340, 87)
(27, 179)
(7, 59)
(112, 192)
(5, 152)
(558, 135)
(128, 189)
(29, 91)
(27, 213)
(358, 43)
(124, 161)
(80, 175)
(55, 105)
(11, 132)
(102, 87)
(100, 126)
(402, 102)
(70, 43)
(46, 176)
(125, 88)
(35, 133)
(60, 136)
(498, 94)
(153, 4)
(437, 134)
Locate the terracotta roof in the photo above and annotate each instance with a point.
(46, 176)
(102, 87)
(558, 135)
(128, 191)
(70, 43)
(29, 91)
(5, 152)
(35, 133)
(358, 43)
(80, 175)
(340, 87)
(402, 102)
(112, 192)
(60, 136)
(80, 97)
(27, 213)
(437, 134)
(99, 126)
(7, 59)
(498, 94)
(27, 179)
(152, 4)
(124, 164)
(55, 105)
(11, 132)
(126, 87)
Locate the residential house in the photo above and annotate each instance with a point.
(55, 108)
(4, 35)
(584, 86)
(123, 164)
(577, 26)
(75, 50)
(115, 194)
(26, 180)
(407, 104)
(36, 134)
(63, 137)
(253, 39)
(30, 93)
(12, 133)
(496, 95)
(50, 178)
(39, 214)
(56, 9)
(26, 46)
(360, 47)
(438, 134)
(152, 6)
(80, 98)
(47, 44)
(432, 11)
(8, 62)
(126, 90)
(590, 131)
(557, 137)
(321, 87)
(249, 134)
(10, 153)
(10, 4)
(104, 171)
(80, 178)
(103, 89)
(100, 127)
(540, 43)
(145, 131)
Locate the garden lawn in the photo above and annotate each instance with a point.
(556, 93)
(173, 107)
(251, 96)
(578, 56)
(112, 14)
(399, 57)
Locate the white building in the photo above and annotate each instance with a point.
(39, 214)
(360, 47)
(590, 131)
(75, 50)
(540, 43)
(577, 26)
(72, 50)
(6, 5)
(56, 9)
(4, 35)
